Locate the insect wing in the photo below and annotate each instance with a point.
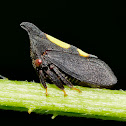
(89, 70)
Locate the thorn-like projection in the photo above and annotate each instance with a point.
(30, 110)
(3, 77)
(54, 116)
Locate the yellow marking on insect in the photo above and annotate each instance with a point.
(58, 42)
(82, 53)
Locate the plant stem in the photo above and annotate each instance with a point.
(91, 102)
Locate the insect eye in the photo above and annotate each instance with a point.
(38, 62)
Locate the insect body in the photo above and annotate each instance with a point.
(57, 60)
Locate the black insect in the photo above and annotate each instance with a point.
(59, 61)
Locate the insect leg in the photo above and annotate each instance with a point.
(42, 81)
(55, 80)
(62, 77)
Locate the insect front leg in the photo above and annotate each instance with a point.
(38, 66)
(42, 81)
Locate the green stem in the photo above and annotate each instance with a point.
(91, 102)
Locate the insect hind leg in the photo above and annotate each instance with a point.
(55, 79)
(62, 77)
